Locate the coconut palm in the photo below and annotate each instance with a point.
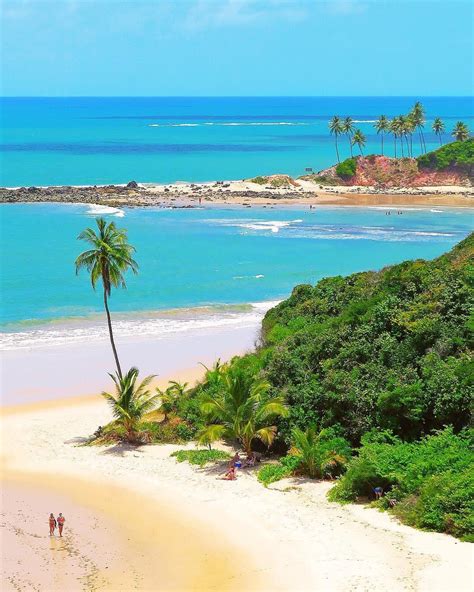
(393, 126)
(169, 397)
(382, 125)
(438, 128)
(320, 454)
(107, 261)
(131, 401)
(241, 410)
(418, 116)
(359, 139)
(460, 132)
(347, 127)
(410, 128)
(335, 127)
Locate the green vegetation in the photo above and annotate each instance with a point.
(402, 127)
(347, 168)
(201, 457)
(131, 403)
(429, 483)
(457, 154)
(238, 407)
(107, 261)
(259, 180)
(390, 349)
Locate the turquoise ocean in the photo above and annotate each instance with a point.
(76, 141)
(199, 268)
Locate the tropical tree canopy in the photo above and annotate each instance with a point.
(460, 132)
(131, 401)
(241, 410)
(359, 139)
(110, 256)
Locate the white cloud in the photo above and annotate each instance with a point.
(204, 14)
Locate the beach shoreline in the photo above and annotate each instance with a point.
(286, 537)
(240, 194)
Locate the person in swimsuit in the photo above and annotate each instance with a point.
(61, 521)
(230, 475)
(52, 524)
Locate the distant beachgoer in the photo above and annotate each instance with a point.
(52, 524)
(251, 459)
(378, 492)
(61, 521)
(235, 461)
(230, 475)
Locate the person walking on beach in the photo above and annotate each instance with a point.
(52, 524)
(61, 521)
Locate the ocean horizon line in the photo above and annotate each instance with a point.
(430, 96)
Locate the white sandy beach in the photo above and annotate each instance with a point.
(183, 529)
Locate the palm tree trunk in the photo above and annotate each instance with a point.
(350, 146)
(337, 149)
(360, 149)
(395, 144)
(111, 335)
(423, 139)
(382, 143)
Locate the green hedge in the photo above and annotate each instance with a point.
(347, 168)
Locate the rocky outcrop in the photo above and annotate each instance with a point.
(385, 172)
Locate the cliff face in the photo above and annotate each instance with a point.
(383, 171)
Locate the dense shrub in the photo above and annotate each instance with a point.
(391, 349)
(431, 481)
(456, 154)
(347, 168)
(200, 457)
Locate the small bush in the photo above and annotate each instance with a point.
(347, 168)
(274, 472)
(200, 457)
(259, 180)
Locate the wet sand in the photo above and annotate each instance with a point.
(114, 539)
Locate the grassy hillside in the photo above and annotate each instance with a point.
(458, 155)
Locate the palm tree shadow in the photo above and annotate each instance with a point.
(121, 448)
(78, 440)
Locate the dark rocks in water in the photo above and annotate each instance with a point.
(132, 185)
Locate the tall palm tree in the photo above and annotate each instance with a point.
(359, 139)
(382, 125)
(418, 116)
(347, 127)
(438, 128)
(131, 401)
(394, 130)
(460, 132)
(241, 410)
(410, 128)
(335, 127)
(107, 261)
(406, 126)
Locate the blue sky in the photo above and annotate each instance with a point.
(237, 47)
